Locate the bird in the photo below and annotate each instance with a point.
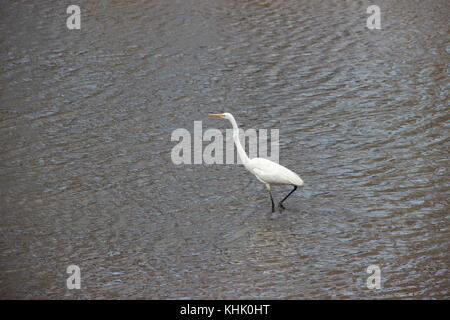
(266, 171)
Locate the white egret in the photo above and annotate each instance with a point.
(266, 171)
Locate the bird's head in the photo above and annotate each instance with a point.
(225, 115)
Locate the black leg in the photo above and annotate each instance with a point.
(281, 202)
(271, 199)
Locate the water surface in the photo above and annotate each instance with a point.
(86, 176)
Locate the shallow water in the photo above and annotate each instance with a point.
(87, 177)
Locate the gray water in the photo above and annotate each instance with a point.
(87, 177)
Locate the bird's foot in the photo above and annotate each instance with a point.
(280, 205)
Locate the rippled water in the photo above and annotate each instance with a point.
(87, 177)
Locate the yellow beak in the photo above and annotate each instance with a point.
(216, 114)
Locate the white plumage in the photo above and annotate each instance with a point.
(272, 173)
(266, 171)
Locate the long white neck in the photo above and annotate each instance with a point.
(244, 158)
